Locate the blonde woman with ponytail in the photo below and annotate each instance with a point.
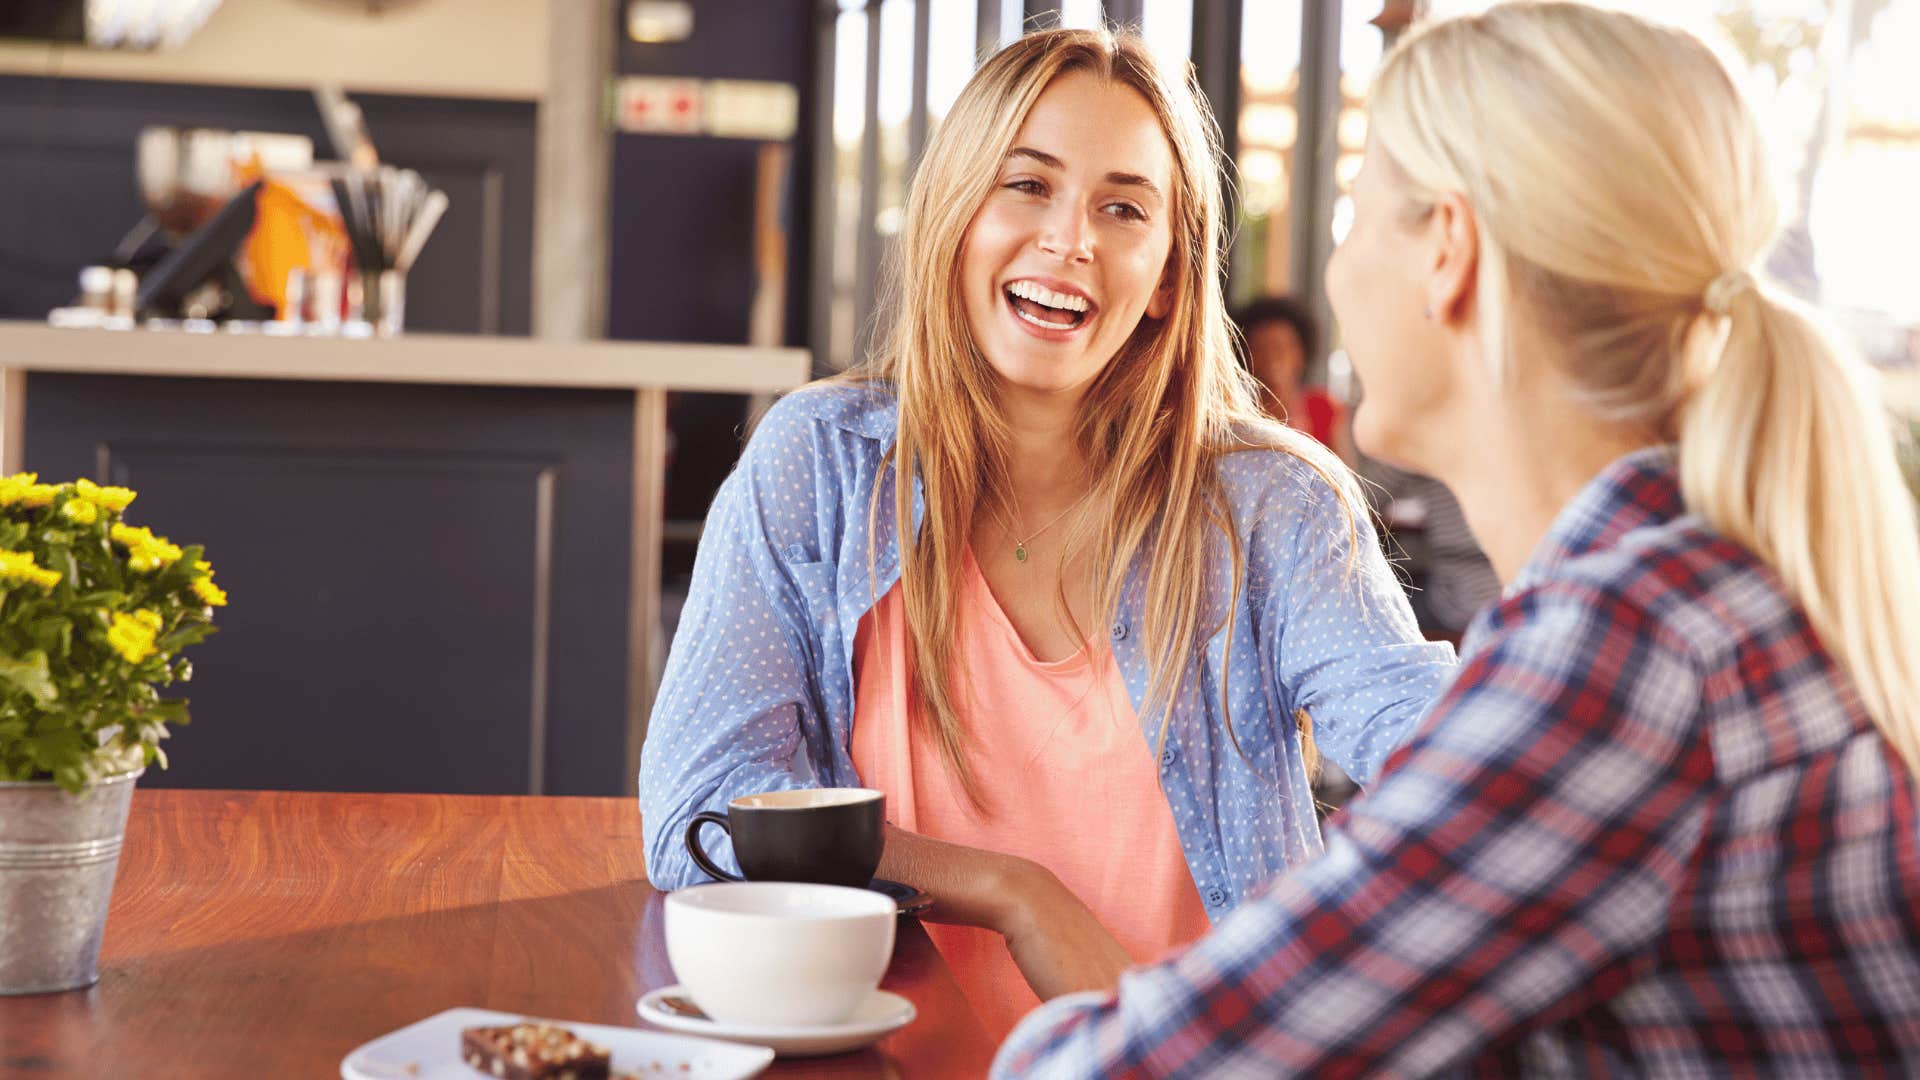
(1663, 822)
(1040, 571)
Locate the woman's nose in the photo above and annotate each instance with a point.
(1064, 234)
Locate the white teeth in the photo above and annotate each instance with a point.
(1040, 294)
(1037, 321)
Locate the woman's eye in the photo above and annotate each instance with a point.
(1127, 212)
(1026, 187)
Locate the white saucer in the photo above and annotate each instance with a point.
(430, 1050)
(881, 1014)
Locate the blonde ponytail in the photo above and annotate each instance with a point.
(1628, 241)
(1785, 451)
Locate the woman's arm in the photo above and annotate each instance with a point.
(1342, 636)
(1056, 940)
(735, 706)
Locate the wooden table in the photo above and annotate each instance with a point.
(266, 934)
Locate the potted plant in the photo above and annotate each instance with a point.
(93, 615)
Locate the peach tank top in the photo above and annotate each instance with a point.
(1071, 785)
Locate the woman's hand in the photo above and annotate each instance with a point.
(1055, 939)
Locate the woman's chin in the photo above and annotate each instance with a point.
(1042, 377)
(1381, 438)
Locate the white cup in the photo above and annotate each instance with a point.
(779, 953)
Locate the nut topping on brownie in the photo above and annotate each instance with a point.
(533, 1051)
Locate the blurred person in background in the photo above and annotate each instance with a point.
(1664, 821)
(1281, 336)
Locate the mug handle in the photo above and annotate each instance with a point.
(693, 843)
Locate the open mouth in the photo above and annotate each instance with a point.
(1047, 309)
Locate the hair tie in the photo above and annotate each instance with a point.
(1720, 295)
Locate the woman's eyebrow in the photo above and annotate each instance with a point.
(1040, 156)
(1125, 179)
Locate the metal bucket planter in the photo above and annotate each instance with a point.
(58, 854)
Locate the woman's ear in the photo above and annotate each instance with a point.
(1455, 270)
(1161, 302)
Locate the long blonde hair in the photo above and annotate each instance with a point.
(1153, 424)
(1622, 198)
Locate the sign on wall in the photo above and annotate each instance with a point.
(720, 108)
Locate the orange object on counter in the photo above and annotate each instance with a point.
(286, 232)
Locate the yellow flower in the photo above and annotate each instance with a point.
(210, 594)
(24, 490)
(80, 511)
(132, 635)
(106, 498)
(203, 587)
(13, 487)
(145, 551)
(18, 568)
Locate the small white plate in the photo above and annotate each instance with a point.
(432, 1049)
(881, 1014)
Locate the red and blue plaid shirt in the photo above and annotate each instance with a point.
(1649, 830)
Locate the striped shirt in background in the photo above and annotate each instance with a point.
(1452, 579)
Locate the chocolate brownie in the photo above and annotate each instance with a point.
(533, 1051)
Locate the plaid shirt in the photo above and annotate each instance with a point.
(1648, 831)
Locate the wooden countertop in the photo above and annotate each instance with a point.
(411, 358)
(268, 933)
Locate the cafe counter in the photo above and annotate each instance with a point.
(442, 552)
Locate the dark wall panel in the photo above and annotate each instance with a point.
(682, 260)
(364, 645)
(682, 255)
(429, 583)
(68, 190)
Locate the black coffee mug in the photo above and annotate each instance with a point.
(829, 836)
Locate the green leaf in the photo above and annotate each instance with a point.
(61, 558)
(183, 637)
(29, 674)
(71, 776)
(57, 749)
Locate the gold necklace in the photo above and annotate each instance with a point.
(1020, 546)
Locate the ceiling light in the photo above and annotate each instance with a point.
(145, 24)
(656, 21)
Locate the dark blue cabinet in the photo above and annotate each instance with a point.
(429, 583)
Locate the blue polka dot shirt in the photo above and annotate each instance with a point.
(758, 690)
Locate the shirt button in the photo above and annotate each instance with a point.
(795, 553)
(1216, 897)
(1119, 631)
(1167, 755)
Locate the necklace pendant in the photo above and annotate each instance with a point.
(1020, 553)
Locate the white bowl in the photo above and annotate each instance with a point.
(779, 953)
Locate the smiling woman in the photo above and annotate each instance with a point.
(1039, 570)
(1067, 190)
